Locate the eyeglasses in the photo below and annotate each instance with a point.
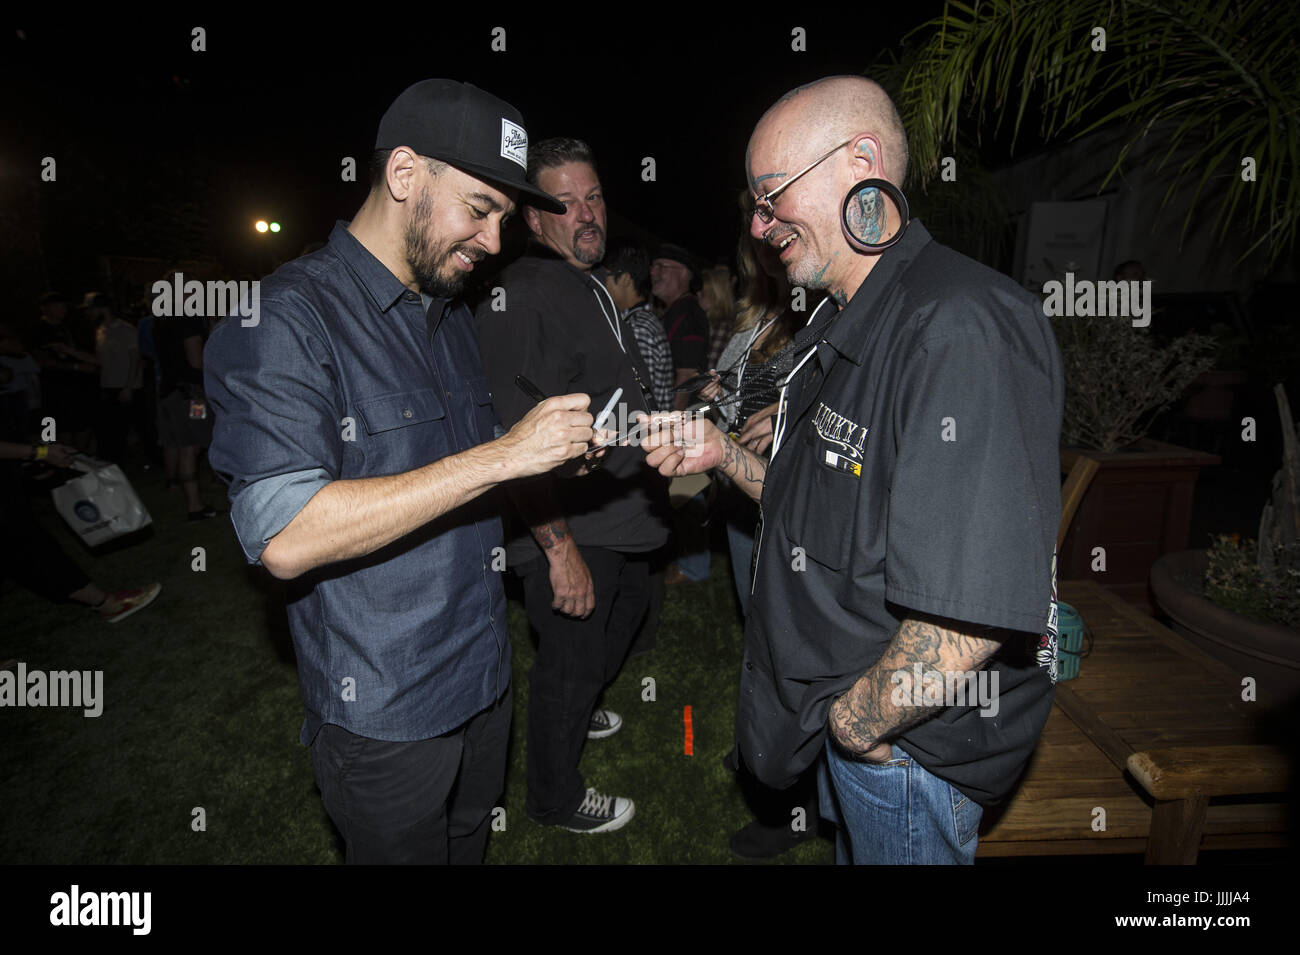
(763, 204)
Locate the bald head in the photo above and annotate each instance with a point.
(815, 117)
(808, 156)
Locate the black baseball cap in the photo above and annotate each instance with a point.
(676, 253)
(96, 300)
(462, 125)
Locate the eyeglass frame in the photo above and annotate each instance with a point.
(767, 198)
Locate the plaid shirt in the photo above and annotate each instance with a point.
(653, 344)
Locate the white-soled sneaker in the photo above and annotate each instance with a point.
(600, 813)
(604, 723)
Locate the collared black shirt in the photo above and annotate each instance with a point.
(919, 471)
(556, 326)
(348, 374)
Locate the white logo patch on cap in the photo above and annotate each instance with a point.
(514, 143)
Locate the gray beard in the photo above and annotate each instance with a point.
(589, 258)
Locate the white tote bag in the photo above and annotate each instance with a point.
(100, 504)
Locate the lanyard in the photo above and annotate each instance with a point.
(749, 346)
(778, 432)
(616, 326)
(612, 322)
(779, 426)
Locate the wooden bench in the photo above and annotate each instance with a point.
(1153, 740)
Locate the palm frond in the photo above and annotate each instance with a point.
(1220, 79)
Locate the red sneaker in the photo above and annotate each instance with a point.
(130, 601)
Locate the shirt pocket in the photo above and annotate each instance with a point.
(389, 412)
(484, 414)
(823, 515)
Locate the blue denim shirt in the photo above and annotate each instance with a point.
(339, 379)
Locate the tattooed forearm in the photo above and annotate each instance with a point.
(873, 709)
(536, 505)
(551, 534)
(744, 467)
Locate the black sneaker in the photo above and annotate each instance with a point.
(603, 723)
(204, 514)
(757, 841)
(599, 813)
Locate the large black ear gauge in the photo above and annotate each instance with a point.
(900, 201)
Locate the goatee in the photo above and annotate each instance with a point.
(581, 254)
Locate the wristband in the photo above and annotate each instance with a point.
(42, 452)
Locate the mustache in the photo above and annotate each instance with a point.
(474, 255)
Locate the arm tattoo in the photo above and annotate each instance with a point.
(740, 463)
(551, 533)
(871, 710)
(535, 503)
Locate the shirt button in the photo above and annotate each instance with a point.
(748, 665)
(406, 413)
(411, 296)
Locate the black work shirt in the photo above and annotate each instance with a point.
(555, 325)
(919, 471)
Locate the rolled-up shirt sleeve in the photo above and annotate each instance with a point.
(279, 425)
(265, 508)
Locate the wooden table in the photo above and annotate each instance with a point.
(1153, 739)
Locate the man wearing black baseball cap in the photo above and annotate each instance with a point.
(674, 279)
(355, 426)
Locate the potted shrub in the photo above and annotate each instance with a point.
(1139, 505)
(1240, 600)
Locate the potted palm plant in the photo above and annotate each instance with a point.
(1139, 505)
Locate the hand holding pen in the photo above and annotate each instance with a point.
(593, 455)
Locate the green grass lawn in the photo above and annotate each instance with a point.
(201, 709)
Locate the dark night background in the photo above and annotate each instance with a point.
(166, 157)
(169, 154)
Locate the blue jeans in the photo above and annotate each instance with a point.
(896, 813)
(694, 556)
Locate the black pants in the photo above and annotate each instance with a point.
(112, 424)
(575, 660)
(31, 555)
(426, 802)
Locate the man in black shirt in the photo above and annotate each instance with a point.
(584, 563)
(904, 591)
(674, 279)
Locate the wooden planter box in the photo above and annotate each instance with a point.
(1138, 507)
